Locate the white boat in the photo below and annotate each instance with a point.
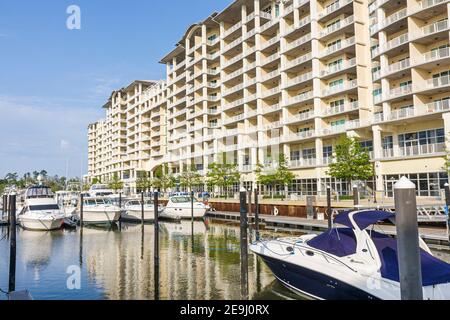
(133, 210)
(40, 211)
(181, 206)
(99, 211)
(352, 262)
(100, 190)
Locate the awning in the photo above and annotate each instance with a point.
(363, 219)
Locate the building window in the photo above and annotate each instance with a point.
(309, 153)
(368, 145)
(337, 185)
(427, 184)
(422, 138)
(304, 187)
(327, 152)
(295, 155)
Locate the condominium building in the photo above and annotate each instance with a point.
(267, 77)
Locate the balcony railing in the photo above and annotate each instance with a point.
(300, 117)
(400, 91)
(389, 20)
(435, 27)
(270, 75)
(233, 89)
(336, 26)
(342, 108)
(438, 82)
(335, 6)
(338, 67)
(301, 97)
(232, 29)
(436, 54)
(400, 114)
(424, 149)
(270, 42)
(302, 162)
(299, 60)
(271, 92)
(300, 135)
(400, 65)
(438, 106)
(340, 45)
(233, 60)
(271, 108)
(238, 117)
(271, 58)
(429, 3)
(232, 44)
(346, 85)
(299, 42)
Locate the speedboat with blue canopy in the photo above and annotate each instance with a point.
(350, 261)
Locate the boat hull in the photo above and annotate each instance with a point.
(313, 284)
(185, 213)
(136, 215)
(35, 224)
(100, 216)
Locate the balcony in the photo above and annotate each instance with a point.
(298, 61)
(349, 125)
(270, 75)
(394, 43)
(346, 85)
(339, 46)
(272, 108)
(338, 67)
(300, 135)
(300, 24)
(305, 96)
(231, 45)
(233, 90)
(399, 92)
(300, 117)
(397, 16)
(334, 7)
(399, 114)
(213, 42)
(271, 58)
(439, 82)
(233, 60)
(272, 126)
(336, 26)
(302, 162)
(438, 106)
(299, 79)
(232, 29)
(234, 104)
(430, 3)
(269, 24)
(435, 27)
(233, 75)
(265, 15)
(298, 42)
(351, 106)
(270, 42)
(425, 149)
(270, 92)
(436, 55)
(236, 118)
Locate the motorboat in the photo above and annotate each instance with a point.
(100, 190)
(40, 211)
(99, 211)
(181, 206)
(133, 210)
(350, 262)
(67, 200)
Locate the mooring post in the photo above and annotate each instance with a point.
(244, 244)
(447, 207)
(4, 206)
(355, 197)
(120, 200)
(329, 212)
(142, 207)
(192, 207)
(12, 242)
(310, 207)
(257, 214)
(156, 245)
(408, 240)
(81, 210)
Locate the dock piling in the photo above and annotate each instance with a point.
(4, 206)
(257, 213)
(81, 210)
(355, 197)
(447, 207)
(244, 244)
(329, 212)
(156, 245)
(142, 208)
(408, 240)
(12, 242)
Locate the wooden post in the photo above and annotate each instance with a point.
(244, 244)
(329, 211)
(12, 242)
(156, 246)
(4, 206)
(120, 200)
(257, 213)
(192, 207)
(409, 262)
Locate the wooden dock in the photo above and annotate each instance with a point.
(280, 223)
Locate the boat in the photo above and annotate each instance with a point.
(181, 206)
(133, 210)
(349, 262)
(99, 211)
(68, 201)
(100, 190)
(40, 211)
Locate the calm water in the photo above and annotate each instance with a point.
(118, 263)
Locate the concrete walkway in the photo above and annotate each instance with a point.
(429, 234)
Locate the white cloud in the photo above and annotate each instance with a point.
(42, 134)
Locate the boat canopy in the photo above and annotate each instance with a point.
(363, 219)
(340, 242)
(434, 271)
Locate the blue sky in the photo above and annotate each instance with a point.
(53, 81)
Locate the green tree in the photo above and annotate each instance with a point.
(144, 182)
(351, 162)
(115, 184)
(163, 180)
(190, 178)
(223, 176)
(280, 175)
(446, 157)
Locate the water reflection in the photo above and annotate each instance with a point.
(199, 261)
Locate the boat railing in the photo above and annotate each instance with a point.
(327, 256)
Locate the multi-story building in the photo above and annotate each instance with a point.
(266, 77)
(132, 138)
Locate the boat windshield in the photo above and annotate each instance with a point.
(39, 192)
(104, 194)
(99, 187)
(44, 207)
(182, 199)
(134, 203)
(97, 202)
